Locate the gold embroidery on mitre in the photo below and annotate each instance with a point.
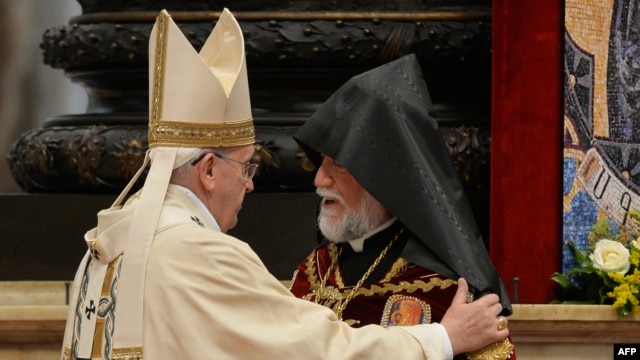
(500, 350)
(172, 133)
(159, 61)
(200, 134)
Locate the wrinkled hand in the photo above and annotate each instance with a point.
(472, 326)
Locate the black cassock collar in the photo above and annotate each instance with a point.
(353, 265)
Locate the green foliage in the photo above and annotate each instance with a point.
(615, 277)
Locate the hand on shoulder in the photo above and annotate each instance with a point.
(474, 325)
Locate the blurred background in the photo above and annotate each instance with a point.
(31, 91)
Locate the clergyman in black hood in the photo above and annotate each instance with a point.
(398, 226)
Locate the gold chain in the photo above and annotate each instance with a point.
(325, 278)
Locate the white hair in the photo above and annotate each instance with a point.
(184, 172)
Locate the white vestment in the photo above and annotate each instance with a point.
(207, 295)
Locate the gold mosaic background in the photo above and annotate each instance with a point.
(588, 22)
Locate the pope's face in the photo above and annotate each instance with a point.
(347, 210)
(231, 187)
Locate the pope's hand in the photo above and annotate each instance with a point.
(472, 326)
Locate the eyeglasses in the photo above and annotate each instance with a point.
(248, 169)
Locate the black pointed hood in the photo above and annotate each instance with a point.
(378, 125)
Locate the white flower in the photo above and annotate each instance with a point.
(610, 256)
(636, 243)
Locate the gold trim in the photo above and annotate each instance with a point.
(500, 350)
(159, 61)
(333, 296)
(399, 266)
(334, 255)
(310, 272)
(323, 296)
(196, 16)
(107, 284)
(128, 353)
(201, 134)
(407, 286)
(98, 336)
(173, 133)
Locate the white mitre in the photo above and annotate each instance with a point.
(198, 100)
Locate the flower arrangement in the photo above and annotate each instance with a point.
(608, 272)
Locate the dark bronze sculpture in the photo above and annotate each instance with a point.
(298, 52)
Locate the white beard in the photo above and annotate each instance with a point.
(354, 223)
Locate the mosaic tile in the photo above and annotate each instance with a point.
(602, 117)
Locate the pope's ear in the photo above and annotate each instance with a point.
(207, 171)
